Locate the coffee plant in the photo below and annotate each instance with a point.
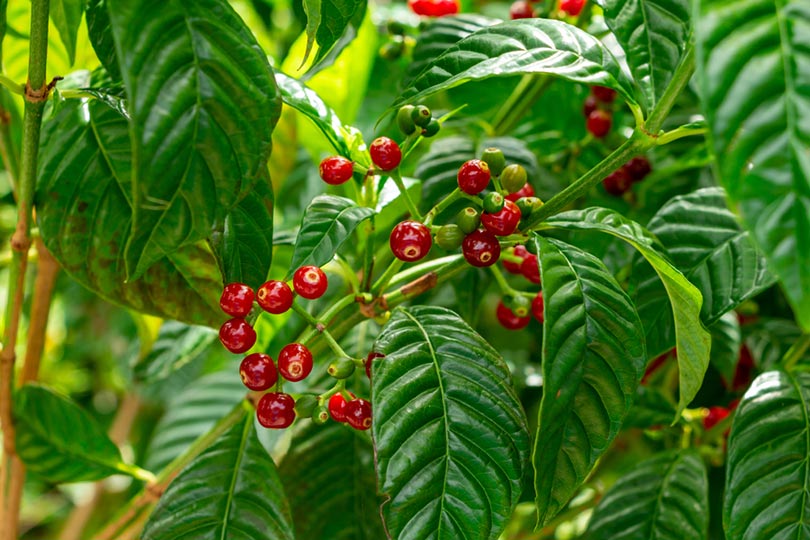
(435, 269)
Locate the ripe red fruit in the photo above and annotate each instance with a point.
(513, 267)
(358, 414)
(295, 362)
(237, 335)
(275, 297)
(310, 282)
(604, 94)
(521, 10)
(525, 191)
(530, 269)
(336, 170)
(638, 168)
(503, 222)
(385, 153)
(473, 176)
(276, 410)
(590, 105)
(369, 359)
(258, 372)
(236, 299)
(599, 123)
(434, 8)
(715, 416)
(508, 319)
(410, 241)
(572, 7)
(337, 406)
(617, 183)
(481, 248)
(537, 307)
(745, 367)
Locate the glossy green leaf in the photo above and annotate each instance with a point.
(444, 411)
(665, 497)
(203, 103)
(243, 244)
(177, 344)
(327, 223)
(231, 490)
(84, 215)
(651, 408)
(654, 34)
(726, 343)
(769, 339)
(767, 477)
(753, 62)
(59, 441)
(520, 47)
(191, 413)
(101, 38)
(333, 465)
(328, 20)
(692, 338)
(67, 16)
(593, 359)
(306, 101)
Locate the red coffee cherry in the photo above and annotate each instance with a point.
(358, 414)
(442, 8)
(589, 105)
(276, 410)
(473, 176)
(603, 93)
(258, 372)
(385, 153)
(517, 251)
(410, 241)
(537, 307)
(508, 319)
(599, 123)
(617, 183)
(504, 222)
(638, 168)
(275, 297)
(715, 416)
(310, 282)
(336, 170)
(295, 362)
(481, 248)
(236, 300)
(237, 335)
(521, 10)
(530, 269)
(337, 407)
(525, 191)
(369, 359)
(572, 7)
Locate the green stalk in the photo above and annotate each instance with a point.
(522, 98)
(796, 352)
(679, 81)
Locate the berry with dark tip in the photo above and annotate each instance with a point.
(473, 176)
(537, 307)
(481, 248)
(358, 414)
(237, 335)
(504, 222)
(295, 362)
(431, 129)
(275, 297)
(421, 116)
(336, 170)
(508, 319)
(236, 299)
(521, 10)
(410, 241)
(385, 153)
(276, 410)
(258, 372)
(530, 269)
(599, 123)
(310, 282)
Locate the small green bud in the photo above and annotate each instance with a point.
(449, 237)
(493, 202)
(494, 158)
(431, 129)
(468, 220)
(404, 120)
(341, 368)
(421, 116)
(320, 415)
(305, 405)
(527, 205)
(513, 178)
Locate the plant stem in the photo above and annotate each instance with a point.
(506, 290)
(47, 272)
(454, 195)
(382, 283)
(414, 211)
(796, 352)
(679, 133)
(321, 328)
(679, 81)
(424, 283)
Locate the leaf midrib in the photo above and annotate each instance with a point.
(804, 405)
(234, 475)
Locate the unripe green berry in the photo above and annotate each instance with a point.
(320, 415)
(520, 305)
(494, 158)
(392, 50)
(513, 178)
(527, 205)
(404, 120)
(341, 368)
(431, 129)
(468, 220)
(305, 405)
(531, 247)
(493, 202)
(449, 237)
(421, 116)
(396, 28)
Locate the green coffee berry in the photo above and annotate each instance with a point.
(513, 178)
(431, 129)
(404, 120)
(449, 237)
(421, 116)
(468, 220)
(341, 368)
(494, 158)
(493, 202)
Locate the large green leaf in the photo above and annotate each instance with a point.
(593, 359)
(770, 339)
(333, 465)
(444, 412)
(663, 498)
(230, 491)
(767, 476)
(692, 338)
(327, 223)
(84, 215)
(203, 103)
(654, 34)
(59, 441)
(101, 38)
(753, 64)
(726, 343)
(67, 16)
(177, 344)
(329, 20)
(519, 47)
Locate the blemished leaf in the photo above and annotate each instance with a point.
(100, 34)
(177, 344)
(692, 338)
(243, 244)
(665, 497)
(67, 16)
(231, 490)
(593, 359)
(59, 441)
(520, 47)
(84, 214)
(726, 343)
(752, 65)
(333, 465)
(445, 410)
(306, 101)
(195, 79)
(327, 223)
(328, 20)
(767, 479)
(654, 34)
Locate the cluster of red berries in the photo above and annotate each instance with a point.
(515, 312)
(619, 181)
(524, 9)
(434, 8)
(597, 110)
